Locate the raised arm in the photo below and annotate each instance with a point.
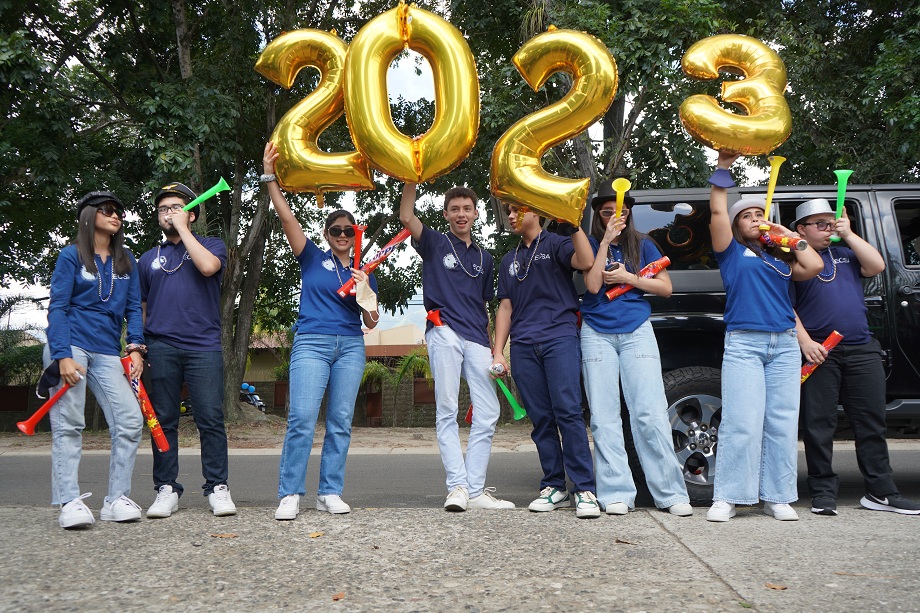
(292, 228)
(594, 278)
(871, 261)
(583, 258)
(720, 228)
(407, 214)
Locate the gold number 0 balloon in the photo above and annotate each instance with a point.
(301, 166)
(768, 122)
(456, 122)
(518, 176)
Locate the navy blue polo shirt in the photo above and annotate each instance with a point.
(183, 305)
(757, 295)
(834, 299)
(457, 280)
(77, 314)
(538, 281)
(322, 310)
(627, 312)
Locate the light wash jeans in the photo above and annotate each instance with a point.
(106, 378)
(319, 361)
(758, 437)
(451, 356)
(630, 359)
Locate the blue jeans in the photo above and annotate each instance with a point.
(631, 358)
(106, 378)
(758, 436)
(547, 375)
(203, 371)
(319, 361)
(450, 357)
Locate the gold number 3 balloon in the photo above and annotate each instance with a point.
(367, 106)
(518, 176)
(768, 122)
(301, 165)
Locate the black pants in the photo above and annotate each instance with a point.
(854, 377)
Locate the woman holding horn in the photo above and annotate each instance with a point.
(328, 352)
(94, 290)
(618, 346)
(758, 444)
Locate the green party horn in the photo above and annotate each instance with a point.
(842, 176)
(220, 187)
(519, 412)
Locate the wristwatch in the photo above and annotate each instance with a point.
(267, 178)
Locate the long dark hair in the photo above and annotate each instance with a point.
(630, 239)
(331, 217)
(86, 244)
(758, 247)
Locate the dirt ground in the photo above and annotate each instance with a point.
(259, 431)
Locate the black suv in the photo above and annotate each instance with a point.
(689, 324)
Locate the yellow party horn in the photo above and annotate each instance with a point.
(775, 162)
(620, 186)
(220, 187)
(842, 177)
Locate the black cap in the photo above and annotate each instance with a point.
(97, 198)
(51, 376)
(605, 193)
(174, 189)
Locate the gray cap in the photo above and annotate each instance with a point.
(809, 208)
(745, 203)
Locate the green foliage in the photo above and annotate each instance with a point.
(415, 364)
(20, 352)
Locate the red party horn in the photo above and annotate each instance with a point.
(829, 343)
(156, 431)
(349, 286)
(647, 272)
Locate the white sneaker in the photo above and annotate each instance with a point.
(75, 514)
(457, 499)
(782, 512)
(720, 511)
(617, 508)
(288, 508)
(332, 503)
(586, 505)
(681, 509)
(487, 501)
(550, 499)
(120, 509)
(220, 501)
(166, 504)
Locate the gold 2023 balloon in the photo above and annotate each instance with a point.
(456, 122)
(768, 122)
(301, 166)
(518, 176)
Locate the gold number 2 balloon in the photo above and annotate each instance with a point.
(518, 176)
(456, 122)
(301, 165)
(768, 122)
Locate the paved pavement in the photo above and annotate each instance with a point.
(420, 558)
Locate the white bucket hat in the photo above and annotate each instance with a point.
(809, 208)
(745, 203)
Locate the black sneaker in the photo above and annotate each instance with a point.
(823, 506)
(896, 503)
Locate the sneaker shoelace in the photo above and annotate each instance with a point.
(221, 493)
(124, 500)
(547, 492)
(587, 497)
(163, 496)
(487, 492)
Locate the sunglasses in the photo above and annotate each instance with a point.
(605, 213)
(110, 210)
(348, 231)
(820, 225)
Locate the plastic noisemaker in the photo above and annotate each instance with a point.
(137, 386)
(797, 243)
(775, 162)
(842, 177)
(647, 272)
(829, 343)
(221, 186)
(359, 234)
(519, 412)
(620, 186)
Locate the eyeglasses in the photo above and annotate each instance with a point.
(110, 210)
(348, 231)
(820, 225)
(163, 210)
(606, 213)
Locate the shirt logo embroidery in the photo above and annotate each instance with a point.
(87, 274)
(450, 262)
(514, 267)
(749, 254)
(328, 265)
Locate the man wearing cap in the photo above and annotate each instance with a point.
(180, 289)
(852, 373)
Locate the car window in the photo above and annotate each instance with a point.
(907, 215)
(681, 230)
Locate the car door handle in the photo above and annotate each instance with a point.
(906, 290)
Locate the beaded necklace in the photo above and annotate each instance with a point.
(784, 275)
(462, 267)
(833, 268)
(518, 267)
(335, 267)
(111, 281)
(166, 270)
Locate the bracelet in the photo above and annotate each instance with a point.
(721, 177)
(138, 347)
(267, 178)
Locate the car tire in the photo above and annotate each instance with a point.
(694, 396)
